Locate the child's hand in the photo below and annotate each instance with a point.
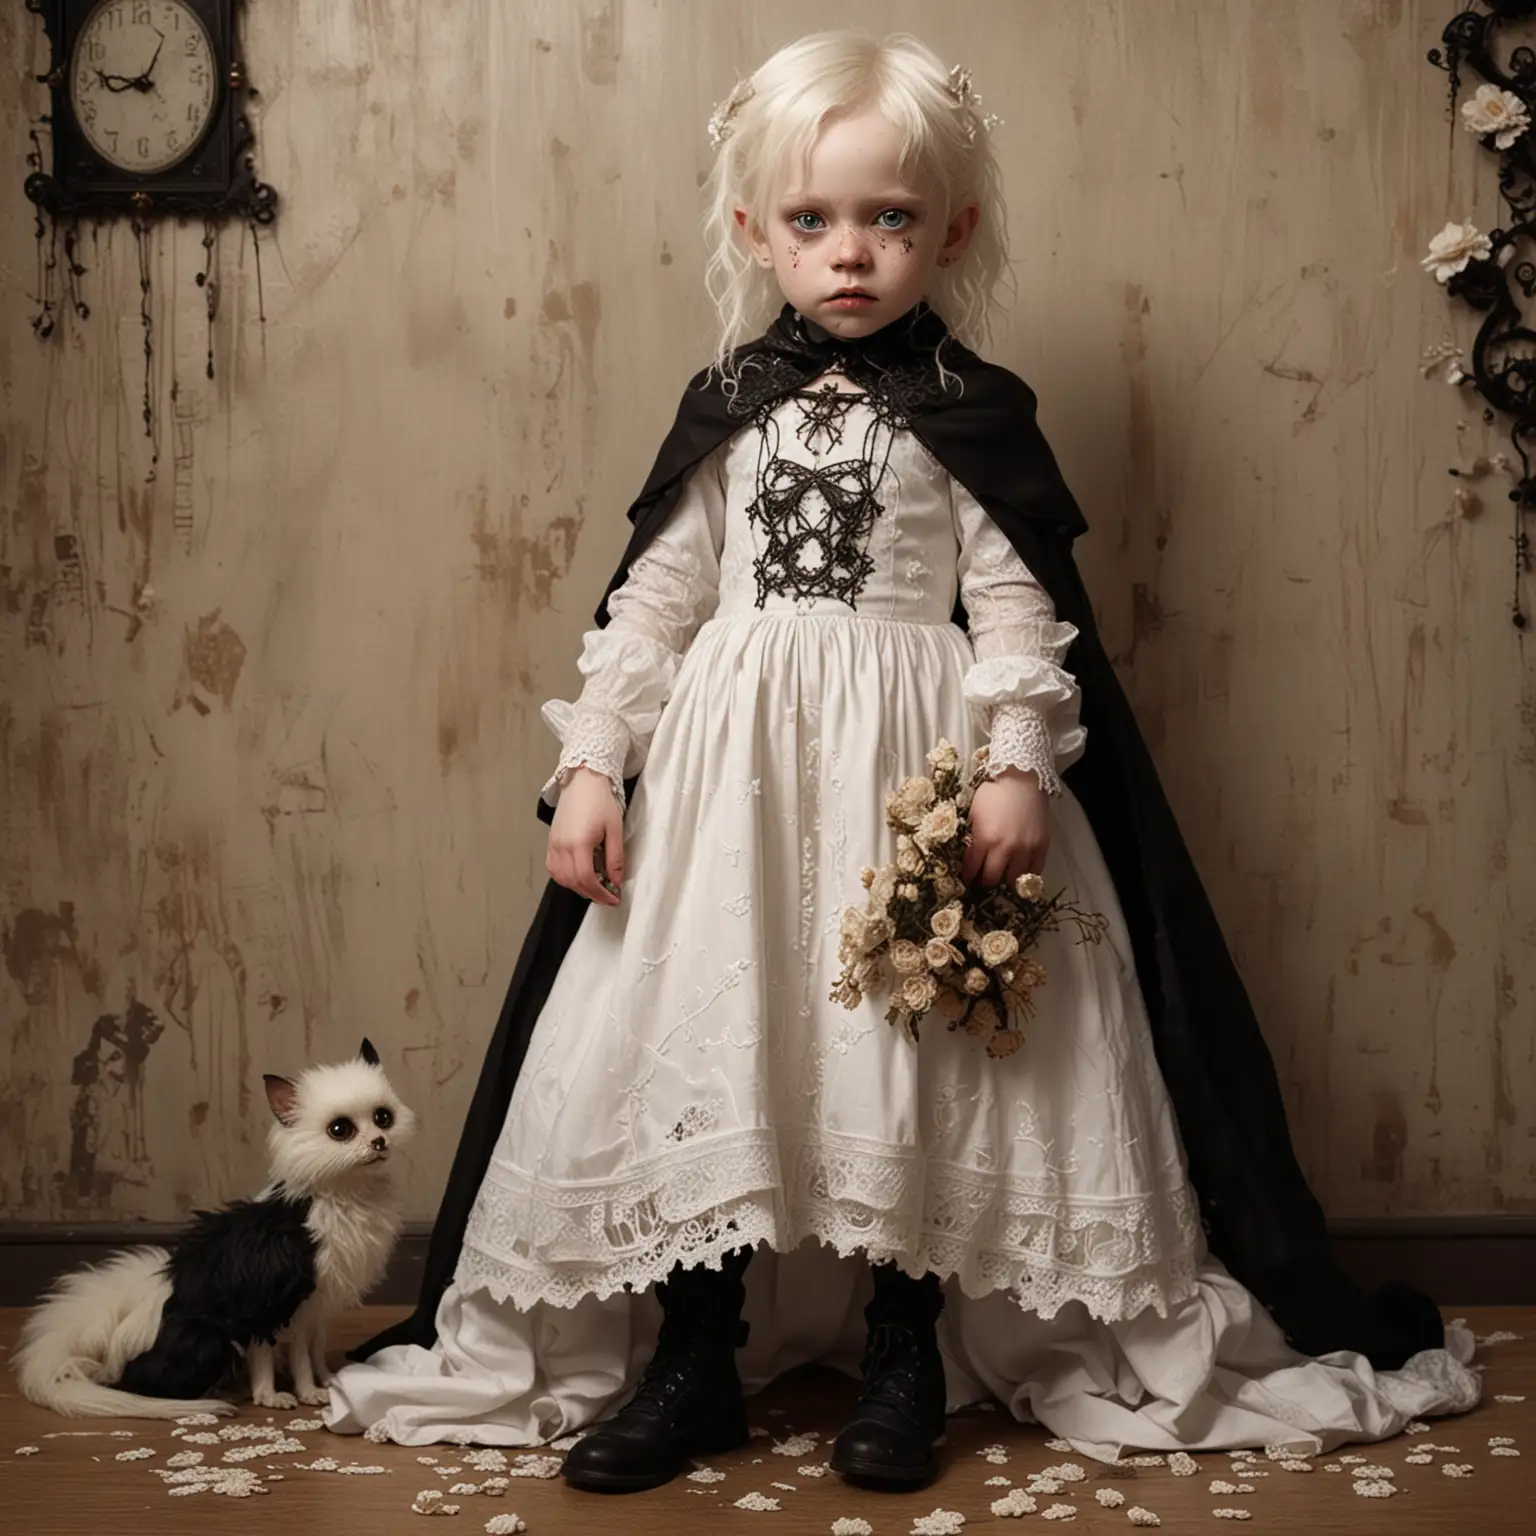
(1010, 829)
(587, 817)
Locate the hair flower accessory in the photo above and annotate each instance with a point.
(720, 120)
(968, 99)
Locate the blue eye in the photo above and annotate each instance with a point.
(806, 229)
(902, 217)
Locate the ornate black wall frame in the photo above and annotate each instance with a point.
(210, 176)
(1503, 360)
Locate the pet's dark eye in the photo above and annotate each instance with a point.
(383, 1118)
(341, 1129)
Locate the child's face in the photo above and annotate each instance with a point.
(849, 221)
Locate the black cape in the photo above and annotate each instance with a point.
(1261, 1219)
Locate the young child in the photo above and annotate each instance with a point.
(855, 542)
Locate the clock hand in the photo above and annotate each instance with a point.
(116, 82)
(144, 82)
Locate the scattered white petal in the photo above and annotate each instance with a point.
(185, 1459)
(537, 1466)
(1501, 1439)
(757, 1432)
(326, 1464)
(198, 1418)
(707, 1475)
(231, 1482)
(1066, 1472)
(851, 1525)
(1296, 1465)
(496, 1485)
(1445, 1450)
(1144, 1461)
(138, 1453)
(1042, 1484)
(489, 1459)
(565, 1442)
(1354, 1461)
(1233, 1514)
(357, 1469)
(1503, 1450)
(757, 1501)
(1498, 1336)
(304, 1426)
(1182, 1465)
(942, 1522)
(997, 1482)
(1419, 1460)
(795, 1445)
(26, 1450)
(1059, 1512)
(1110, 1498)
(787, 1487)
(504, 1525)
(1375, 1487)
(1139, 1516)
(1013, 1505)
(246, 1452)
(427, 1461)
(1509, 1397)
(201, 1438)
(814, 1469)
(1059, 1445)
(1456, 1468)
(465, 1488)
(1371, 1473)
(996, 1458)
(1416, 1427)
(1218, 1485)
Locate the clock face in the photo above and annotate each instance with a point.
(143, 82)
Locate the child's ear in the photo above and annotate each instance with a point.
(282, 1097)
(757, 242)
(367, 1052)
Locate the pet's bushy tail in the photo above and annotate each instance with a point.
(86, 1330)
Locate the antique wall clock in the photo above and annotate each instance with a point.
(147, 121)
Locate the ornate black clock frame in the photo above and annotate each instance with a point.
(215, 177)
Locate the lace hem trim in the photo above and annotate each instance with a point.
(529, 1241)
(597, 739)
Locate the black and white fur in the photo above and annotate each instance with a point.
(152, 1334)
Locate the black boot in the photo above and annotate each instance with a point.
(689, 1400)
(899, 1418)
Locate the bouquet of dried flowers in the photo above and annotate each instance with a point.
(961, 950)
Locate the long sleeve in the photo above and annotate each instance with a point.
(1030, 703)
(630, 666)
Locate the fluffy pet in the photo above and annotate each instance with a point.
(152, 1333)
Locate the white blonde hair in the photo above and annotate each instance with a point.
(787, 102)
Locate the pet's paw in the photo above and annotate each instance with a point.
(275, 1400)
(316, 1397)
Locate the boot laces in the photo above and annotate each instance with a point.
(894, 1367)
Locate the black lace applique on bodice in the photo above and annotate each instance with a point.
(817, 518)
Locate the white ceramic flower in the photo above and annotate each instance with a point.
(1498, 112)
(1453, 248)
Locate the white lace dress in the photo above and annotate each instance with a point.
(777, 658)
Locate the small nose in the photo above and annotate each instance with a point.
(850, 249)
(379, 1144)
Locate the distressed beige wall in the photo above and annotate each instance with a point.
(286, 795)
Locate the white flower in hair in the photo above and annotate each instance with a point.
(720, 124)
(966, 96)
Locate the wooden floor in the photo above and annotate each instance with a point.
(74, 1483)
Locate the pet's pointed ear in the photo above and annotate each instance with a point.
(367, 1052)
(282, 1097)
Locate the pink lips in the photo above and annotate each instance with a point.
(851, 300)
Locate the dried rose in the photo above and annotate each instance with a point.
(1004, 1042)
(866, 877)
(910, 860)
(940, 953)
(907, 892)
(944, 758)
(919, 992)
(946, 921)
(975, 981)
(939, 825)
(951, 1004)
(997, 946)
(1030, 886)
(907, 957)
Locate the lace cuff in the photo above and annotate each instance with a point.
(594, 738)
(1022, 739)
